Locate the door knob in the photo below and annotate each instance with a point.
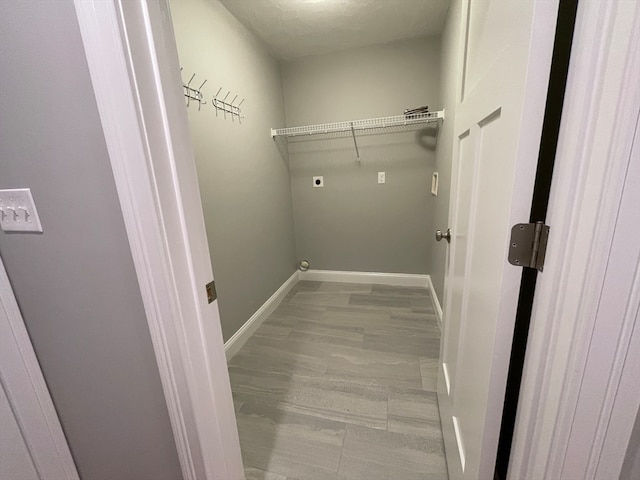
(446, 235)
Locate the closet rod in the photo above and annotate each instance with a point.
(355, 142)
(365, 124)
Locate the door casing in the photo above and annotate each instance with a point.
(203, 418)
(602, 104)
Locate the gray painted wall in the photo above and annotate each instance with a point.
(438, 255)
(353, 223)
(631, 464)
(244, 180)
(75, 283)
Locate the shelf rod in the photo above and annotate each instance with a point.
(353, 132)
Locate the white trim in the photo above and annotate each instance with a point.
(601, 109)
(397, 279)
(26, 390)
(456, 431)
(146, 131)
(445, 373)
(449, 435)
(436, 302)
(100, 32)
(238, 339)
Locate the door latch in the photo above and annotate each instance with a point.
(528, 245)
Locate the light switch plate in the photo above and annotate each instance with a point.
(18, 211)
(382, 177)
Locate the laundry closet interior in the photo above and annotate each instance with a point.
(305, 151)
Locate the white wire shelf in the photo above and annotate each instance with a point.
(366, 124)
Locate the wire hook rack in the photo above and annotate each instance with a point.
(227, 107)
(221, 104)
(194, 93)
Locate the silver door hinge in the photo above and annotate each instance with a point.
(211, 291)
(528, 245)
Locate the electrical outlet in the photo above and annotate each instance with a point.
(318, 182)
(381, 177)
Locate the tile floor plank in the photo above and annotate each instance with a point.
(374, 367)
(321, 298)
(251, 473)
(400, 291)
(412, 344)
(379, 300)
(289, 443)
(296, 357)
(339, 382)
(344, 287)
(414, 412)
(429, 373)
(370, 454)
(271, 330)
(338, 400)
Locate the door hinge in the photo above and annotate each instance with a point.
(211, 291)
(528, 245)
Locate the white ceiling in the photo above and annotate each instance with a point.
(297, 28)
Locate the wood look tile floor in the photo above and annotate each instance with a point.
(340, 383)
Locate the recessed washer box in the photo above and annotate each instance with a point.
(318, 182)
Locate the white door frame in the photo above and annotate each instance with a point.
(133, 63)
(600, 115)
(158, 190)
(27, 392)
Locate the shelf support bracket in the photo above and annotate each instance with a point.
(355, 143)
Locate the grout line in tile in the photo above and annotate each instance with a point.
(344, 436)
(388, 400)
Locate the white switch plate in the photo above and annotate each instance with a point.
(318, 182)
(18, 211)
(381, 177)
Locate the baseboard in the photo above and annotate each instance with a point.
(436, 303)
(397, 279)
(235, 343)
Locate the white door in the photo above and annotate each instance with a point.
(505, 57)
(32, 444)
